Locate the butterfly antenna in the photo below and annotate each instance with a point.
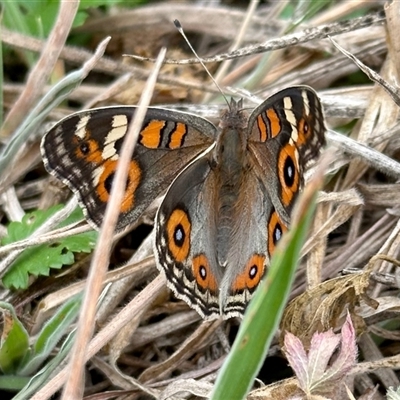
(180, 30)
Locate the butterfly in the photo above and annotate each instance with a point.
(229, 189)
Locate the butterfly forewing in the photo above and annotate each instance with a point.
(289, 129)
(292, 114)
(83, 150)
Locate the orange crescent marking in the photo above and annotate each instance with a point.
(262, 128)
(273, 224)
(150, 136)
(178, 219)
(109, 168)
(288, 151)
(94, 155)
(133, 180)
(248, 279)
(202, 273)
(274, 122)
(177, 136)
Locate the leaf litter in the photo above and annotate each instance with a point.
(167, 346)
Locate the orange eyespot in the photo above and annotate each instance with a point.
(288, 173)
(203, 275)
(88, 149)
(109, 168)
(252, 274)
(304, 131)
(275, 231)
(178, 234)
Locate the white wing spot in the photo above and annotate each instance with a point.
(96, 174)
(288, 105)
(118, 130)
(80, 129)
(306, 102)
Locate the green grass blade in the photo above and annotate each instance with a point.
(14, 19)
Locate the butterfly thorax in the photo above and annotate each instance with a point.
(230, 150)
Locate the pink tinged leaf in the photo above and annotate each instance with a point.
(297, 357)
(313, 371)
(322, 347)
(345, 360)
(347, 356)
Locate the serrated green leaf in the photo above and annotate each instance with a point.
(75, 216)
(82, 243)
(38, 260)
(14, 342)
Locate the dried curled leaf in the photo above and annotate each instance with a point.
(320, 308)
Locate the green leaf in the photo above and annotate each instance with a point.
(12, 383)
(51, 334)
(14, 343)
(262, 316)
(36, 18)
(14, 18)
(30, 222)
(38, 260)
(1, 84)
(42, 376)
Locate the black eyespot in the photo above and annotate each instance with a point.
(253, 271)
(289, 171)
(277, 234)
(84, 148)
(203, 272)
(108, 182)
(179, 235)
(306, 127)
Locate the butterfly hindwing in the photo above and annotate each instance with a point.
(185, 238)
